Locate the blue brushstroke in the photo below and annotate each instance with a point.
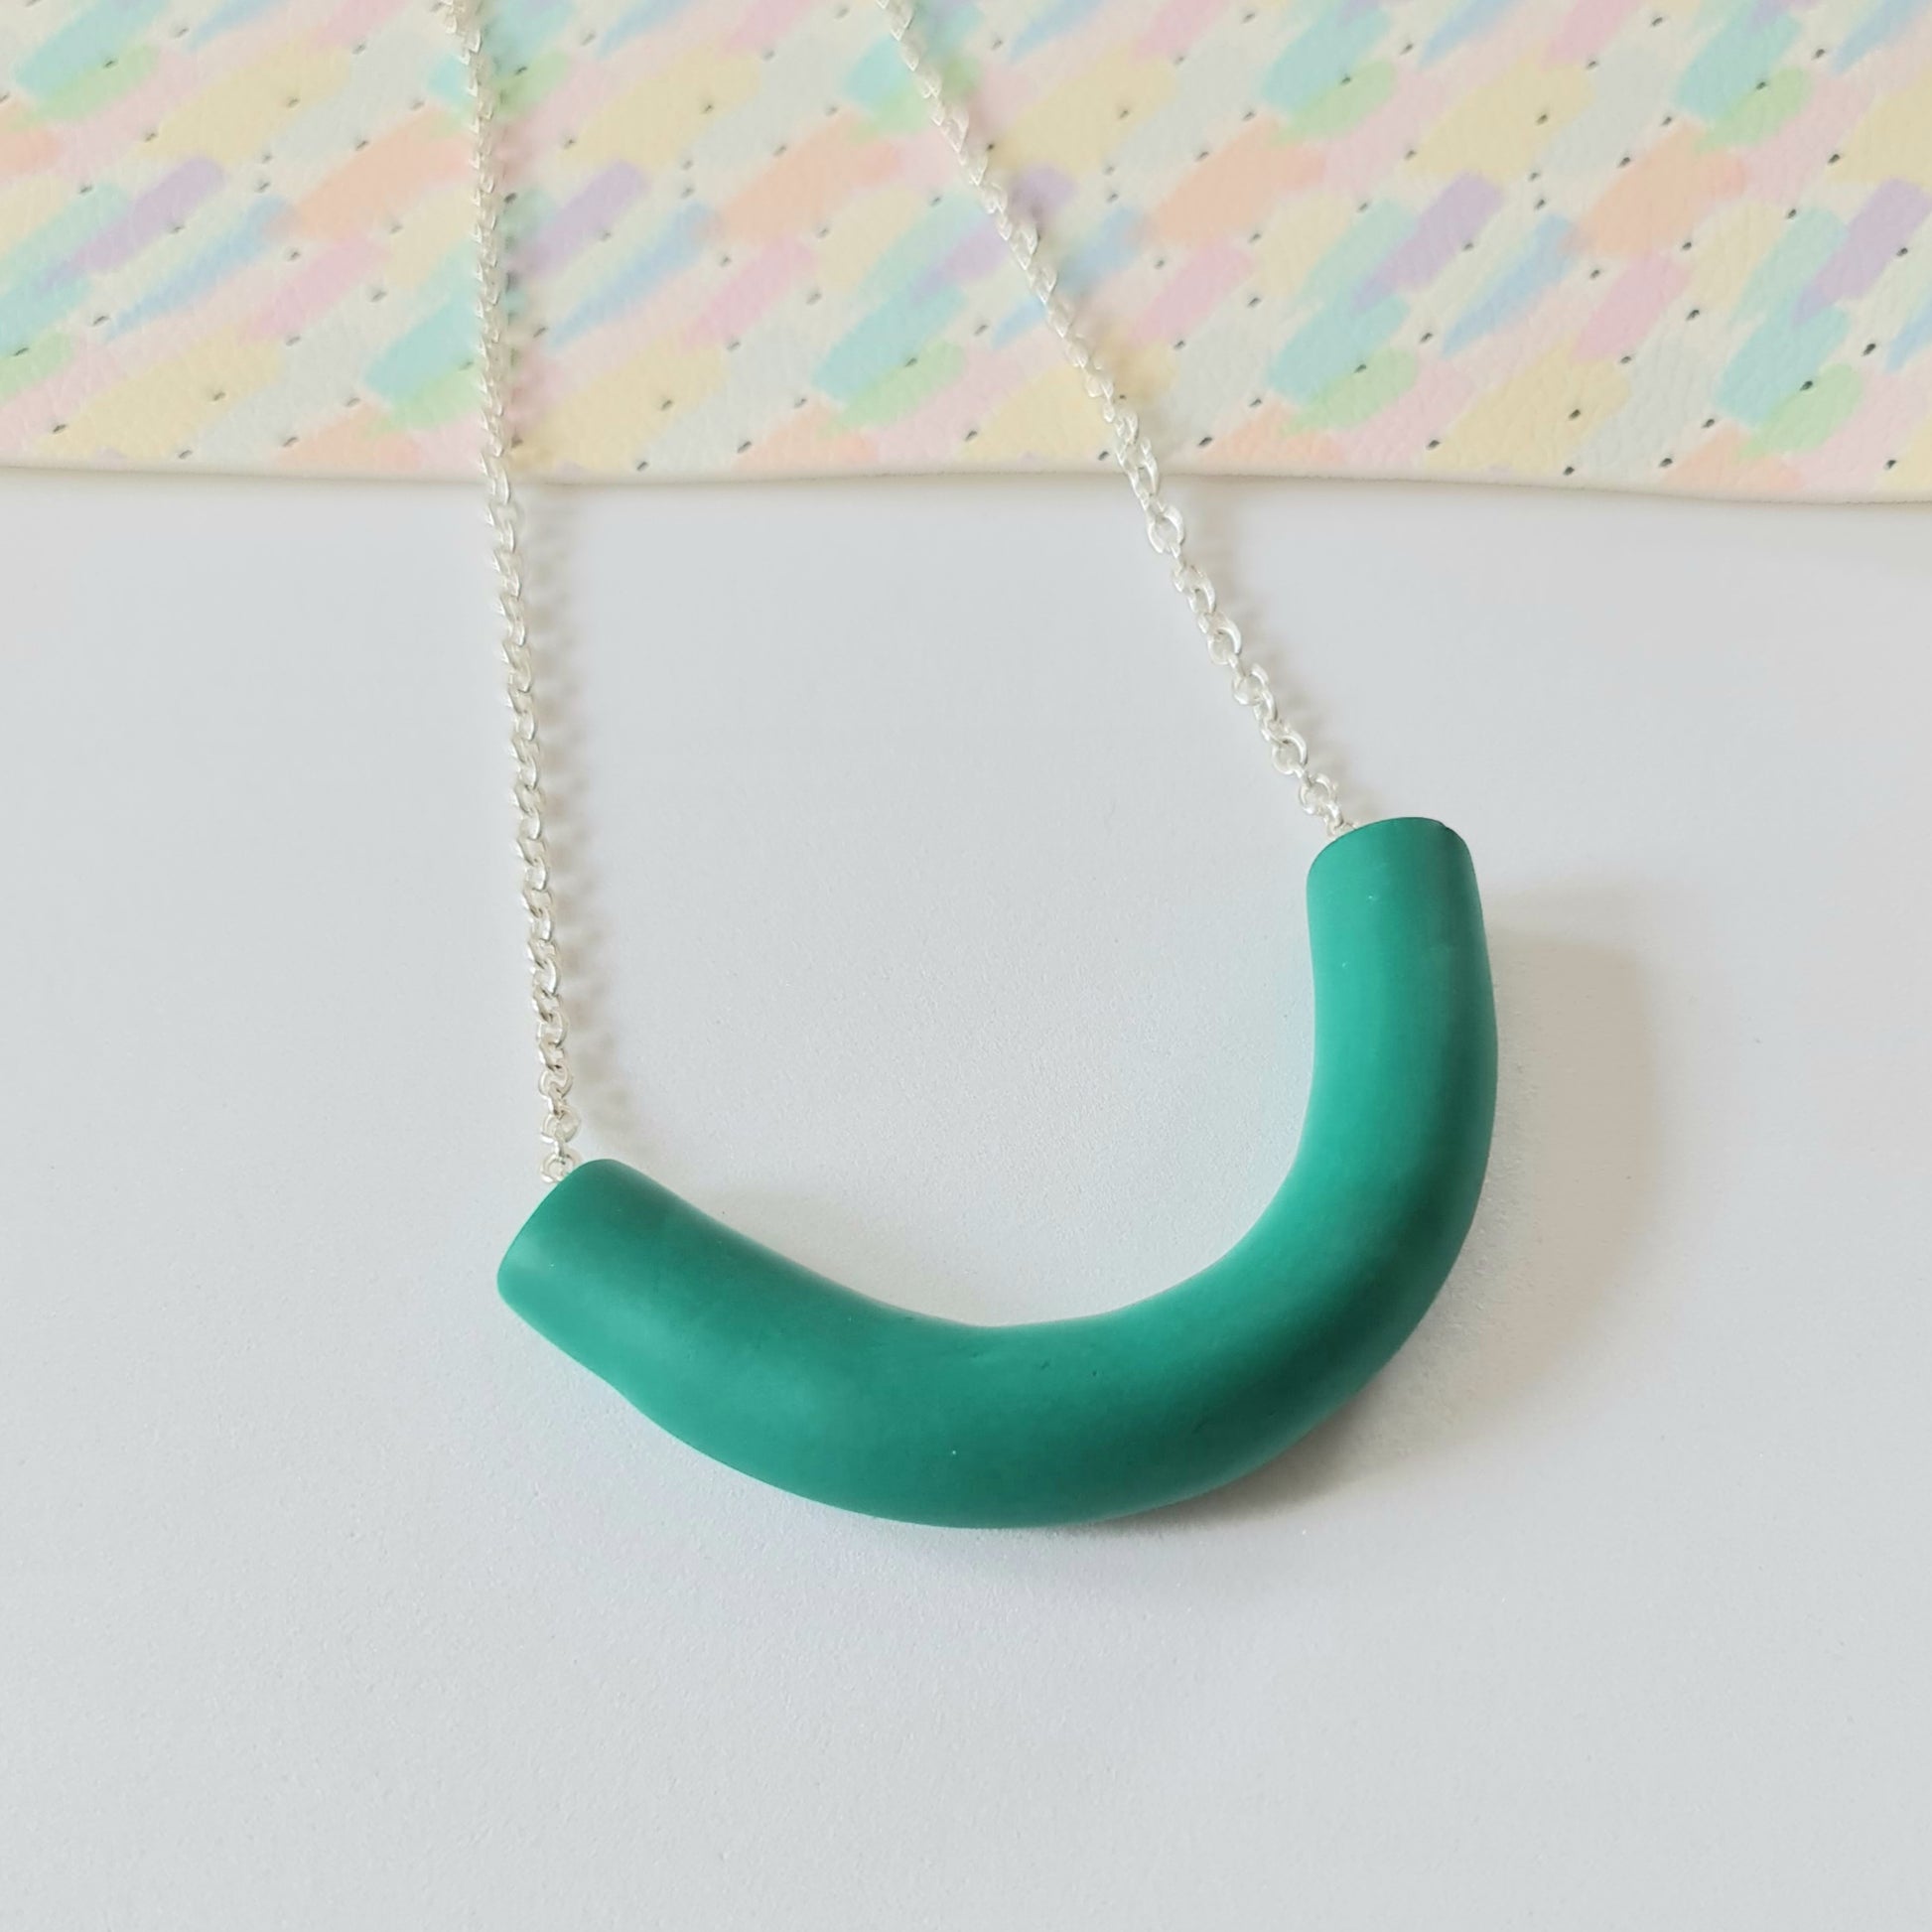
(645, 18)
(1471, 18)
(226, 18)
(885, 341)
(1741, 56)
(445, 339)
(1056, 18)
(1364, 245)
(28, 311)
(1327, 348)
(673, 247)
(1879, 28)
(446, 83)
(1109, 248)
(920, 249)
(1910, 339)
(40, 255)
(1802, 250)
(223, 258)
(1543, 262)
(85, 44)
(1335, 43)
(877, 78)
(1777, 362)
(517, 34)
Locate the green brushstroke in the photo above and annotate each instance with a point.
(905, 388)
(100, 88)
(525, 87)
(86, 44)
(1356, 397)
(1808, 242)
(1363, 244)
(443, 399)
(1811, 416)
(1350, 101)
(34, 363)
(1763, 111)
(417, 360)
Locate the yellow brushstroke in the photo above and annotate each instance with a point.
(1078, 125)
(612, 421)
(653, 123)
(1501, 130)
(862, 233)
(1524, 426)
(1730, 246)
(154, 415)
(427, 236)
(27, 203)
(1051, 418)
(1913, 470)
(1895, 139)
(1303, 228)
(235, 118)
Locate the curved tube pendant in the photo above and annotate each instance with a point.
(799, 1382)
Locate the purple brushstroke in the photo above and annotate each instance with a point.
(582, 219)
(1036, 194)
(165, 205)
(1887, 223)
(1452, 220)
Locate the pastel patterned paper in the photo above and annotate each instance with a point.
(1634, 242)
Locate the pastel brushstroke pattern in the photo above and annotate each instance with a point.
(1684, 243)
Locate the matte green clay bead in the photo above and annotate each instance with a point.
(802, 1383)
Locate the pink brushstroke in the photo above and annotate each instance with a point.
(165, 205)
(315, 289)
(1892, 214)
(1362, 160)
(584, 218)
(357, 20)
(928, 434)
(1177, 27)
(1627, 314)
(766, 21)
(1851, 461)
(1398, 436)
(90, 148)
(566, 107)
(749, 293)
(1587, 28)
(1191, 293)
(1783, 169)
(1456, 215)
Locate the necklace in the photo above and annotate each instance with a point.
(806, 1385)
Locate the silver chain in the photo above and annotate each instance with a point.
(1167, 531)
(505, 534)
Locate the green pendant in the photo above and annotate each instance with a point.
(804, 1384)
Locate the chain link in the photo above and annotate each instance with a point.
(1167, 530)
(506, 551)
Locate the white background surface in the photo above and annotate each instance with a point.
(939, 921)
